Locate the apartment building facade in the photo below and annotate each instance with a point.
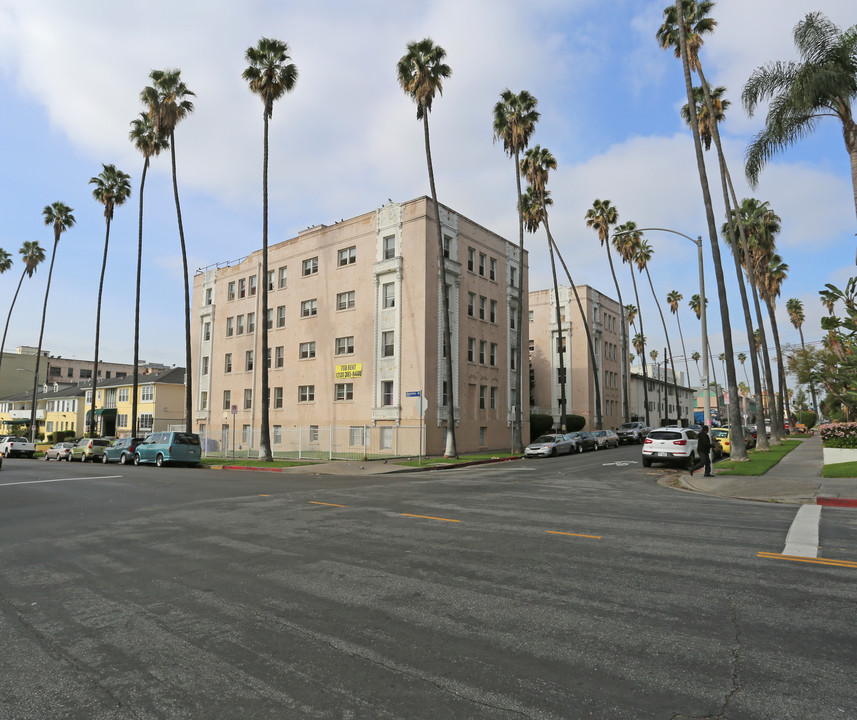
(602, 313)
(355, 332)
(660, 388)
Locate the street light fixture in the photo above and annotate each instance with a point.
(706, 398)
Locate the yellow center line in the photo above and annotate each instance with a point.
(815, 561)
(313, 502)
(556, 532)
(428, 517)
(264, 496)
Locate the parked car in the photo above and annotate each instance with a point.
(169, 447)
(59, 451)
(749, 438)
(549, 446)
(606, 438)
(89, 449)
(633, 432)
(588, 440)
(671, 444)
(121, 451)
(13, 445)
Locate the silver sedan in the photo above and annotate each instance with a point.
(550, 445)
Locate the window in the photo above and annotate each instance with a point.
(482, 259)
(208, 298)
(309, 308)
(444, 396)
(307, 350)
(245, 433)
(279, 356)
(389, 295)
(512, 319)
(386, 437)
(252, 285)
(389, 247)
(122, 421)
(344, 391)
(532, 316)
(270, 280)
(492, 312)
(203, 401)
(309, 266)
(482, 432)
(281, 316)
(492, 355)
(387, 392)
(278, 434)
(483, 346)
(268, 359)
(248, 398)
(283, 275)
(388, 343)
(251, 322)
(471, 304)
(492, 269)
(471, 349)
(269, 319)
(483, 394)
(230, 291)
(230, 322)
(345, 300)
(227, 363)
(313, 433)
(355, 435)
(344, 345)
(347, 256)
(227, 399)
(513, 277)
(242, 288)
(85, 373)
(278, 398)
(248, 360)
(513, 361)
(470, 257)
(70, 372)
(493, 405)
(483, 302)
(205, 364)
(123, 394)
(239, 325)
(447, 241)
(147, 393)
(145, 422)
(306, 393)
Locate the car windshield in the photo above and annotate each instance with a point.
(546, 439)
(628, 426)
(664, 435)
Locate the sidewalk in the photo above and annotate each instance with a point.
(795, 479)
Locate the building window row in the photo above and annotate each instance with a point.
(487, 352)
(485, 266)
(487, 308)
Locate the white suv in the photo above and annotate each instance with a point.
(671, 444)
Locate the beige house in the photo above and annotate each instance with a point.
(602, 313)
(354, 312)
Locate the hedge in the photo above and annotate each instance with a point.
(839, 435)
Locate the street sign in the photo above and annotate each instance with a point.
(422, 406)
(415, 393)
(234, 409)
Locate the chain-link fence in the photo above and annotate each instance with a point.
(317, 442)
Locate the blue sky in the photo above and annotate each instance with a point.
(347, 139)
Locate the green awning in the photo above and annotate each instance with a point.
(105, 412)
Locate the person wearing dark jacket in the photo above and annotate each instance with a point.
(703, 447)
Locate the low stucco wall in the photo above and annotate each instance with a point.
(839, 455)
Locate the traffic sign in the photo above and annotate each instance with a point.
(234, 409)
(415, 393)
(422, 406)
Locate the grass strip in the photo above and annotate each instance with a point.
(760, 461)
(429, 461)
(840, 470)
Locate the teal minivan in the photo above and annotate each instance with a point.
(169, 447)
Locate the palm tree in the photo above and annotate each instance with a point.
(150, 144)
(771, 281)
(631, 312)
(515, 118)
(5, 261)
(742, 358)
(674, 297)
(695, 305)
(638, 342)
(794, 308)
(112, 188)
(696, 357)
(32, 255)
(703, 117)
(421, 72)
(822, 84)
(642, 258)
(59, 216)
(168, 103)
(626, 240)
(601, 217)
(270, 76)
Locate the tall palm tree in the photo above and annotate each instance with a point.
(674, 297)
(59, 216)
(535, 166)
(696, 357)
(515, 118)
(601, 217)
(112, 188)
(742, 358)
(685, 22)
(695, 305)
(421, 72)
(794, 308)
(822, 84)
(631, 311)
(168, 104)
(32, 255)
(626, 240)
(270, 76)
(771, 281)
(5, 261)
(703, 117)
(150, 143)
(644, 255)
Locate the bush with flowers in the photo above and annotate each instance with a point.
(838, 435)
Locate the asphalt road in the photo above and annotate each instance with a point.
(571, 587)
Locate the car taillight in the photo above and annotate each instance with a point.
(170, 449)
(89, 445)
(679, 442)
(647, 441)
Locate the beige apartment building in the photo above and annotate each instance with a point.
(354, 310)
(603, 315)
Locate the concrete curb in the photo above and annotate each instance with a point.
(393, 468)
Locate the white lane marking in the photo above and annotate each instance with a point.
(34, 482)
(621, 463)
(802, 539)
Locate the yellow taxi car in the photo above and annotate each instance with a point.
(724, 437)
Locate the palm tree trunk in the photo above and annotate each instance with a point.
(626, 380)
(41, 337)
(802, 345)
(9, 316)
(781, 373)
(560, 347)
(732, 384)
(669, 350)
(451, 449)
(683, 349)
(517, 439)
(599, 418)
(136, 371)
(849, 131)
(265, 435)
(98, 332)
(643, 353)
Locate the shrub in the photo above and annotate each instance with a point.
(539, 425)
(839, 435)
(575, 422)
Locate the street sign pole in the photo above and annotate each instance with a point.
(234, 413)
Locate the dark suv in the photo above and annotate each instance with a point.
(632, 432)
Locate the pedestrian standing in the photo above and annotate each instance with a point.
(703, 447)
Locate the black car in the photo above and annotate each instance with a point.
(584, 441)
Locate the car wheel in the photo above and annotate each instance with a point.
(123, 459)
(83, 458)
(46, 457)
(159, 461)
(553, 452)
(595, 447)
(103, 459)
(647, 462)
(579, 448)
(136, 459)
